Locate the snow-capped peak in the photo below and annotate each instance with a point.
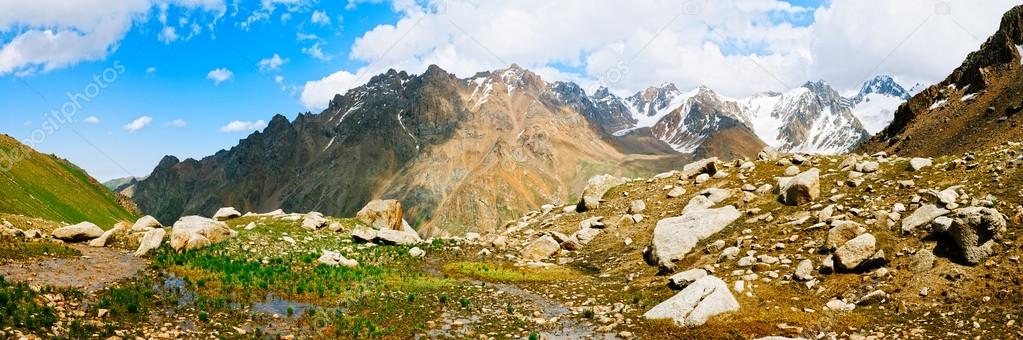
(883, 84)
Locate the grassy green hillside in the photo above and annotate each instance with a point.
(47, 187)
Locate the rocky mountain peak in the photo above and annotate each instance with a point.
(883, 85)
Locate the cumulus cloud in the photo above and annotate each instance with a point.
(138, 124)
(320, 17)
(219, 75)
(315, 52)
(168, 35)
(735, 47)
(44, 35)
(272, 63)
(177, 123)
(91, 120)
(239, 126)
(150, 70)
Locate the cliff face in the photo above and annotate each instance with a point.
(975, 107)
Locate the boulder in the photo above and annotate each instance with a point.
(768, 154)
(541, 249)
(922, 261)
(396, 237)
(108, 236)
(694, 305)
(314, 221)
(702, 178)
(675, 237)
(416, 252)
(855, 252)
(150, 241)
(704, 166)
(676, 192)
(364, 234)
(801, 189)
(595, 189)
(77, 233)
(637, 207)
(146, 223)
(792, 171)
(227, 213)
(194, 232)
(868, 167)
(334, 259)
(842, 232)
(382, 214)
(975, 230)
(804, 271)
(922, 216)
(917, 164)
(686, 278)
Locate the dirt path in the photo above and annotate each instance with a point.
(92, 271)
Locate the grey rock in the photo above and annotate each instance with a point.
(595, 189)
(804, 271)
(694, 305)
(975, 230)
(146, 223)
(150, 240)
(675, 237)
(541, 249)
(917, 164)
(801, 189)
(78, 232)
(637, 207)
(853, 253)
(194, 232)
(704, 166)
(922, 216)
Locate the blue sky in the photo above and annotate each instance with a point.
(168, 84)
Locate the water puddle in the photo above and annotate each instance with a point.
(286, 308)
(94, 270)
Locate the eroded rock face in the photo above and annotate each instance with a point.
(77, 233)
(801, 189)
(595, 189)
(108, 236)
(194, 232)
(382, 214)
(675, 237)
(975, 230)
(698, 302)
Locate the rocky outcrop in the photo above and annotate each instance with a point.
(855, 252)
(541, 249)
(194, 232)
(77, 233)
(108, 235)
(697, 303)
(335, 259)
(675, 237)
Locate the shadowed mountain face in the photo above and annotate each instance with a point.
(976, 107)
(460, 154)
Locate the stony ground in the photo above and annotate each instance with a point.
(595, 282)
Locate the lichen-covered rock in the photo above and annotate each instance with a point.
(975, 230)
(595, 189)
(675, 237)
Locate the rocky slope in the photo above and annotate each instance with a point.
(47, 187)
(461, 153)
(977, 106)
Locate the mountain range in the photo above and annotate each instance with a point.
(471, 153)
(976, 107)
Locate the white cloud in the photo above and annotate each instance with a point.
(303, 37)
(315, 52)
(239, 126)
(150, 70)
(320, 17)
(138, 124)
(177, 123)
(45, 35)
(219, 75)
(279, 79)
(168, 35)
(272, 63)
(735, 47)
(91, 120)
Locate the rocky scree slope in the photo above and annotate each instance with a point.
(801, 246)
(977, 106)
